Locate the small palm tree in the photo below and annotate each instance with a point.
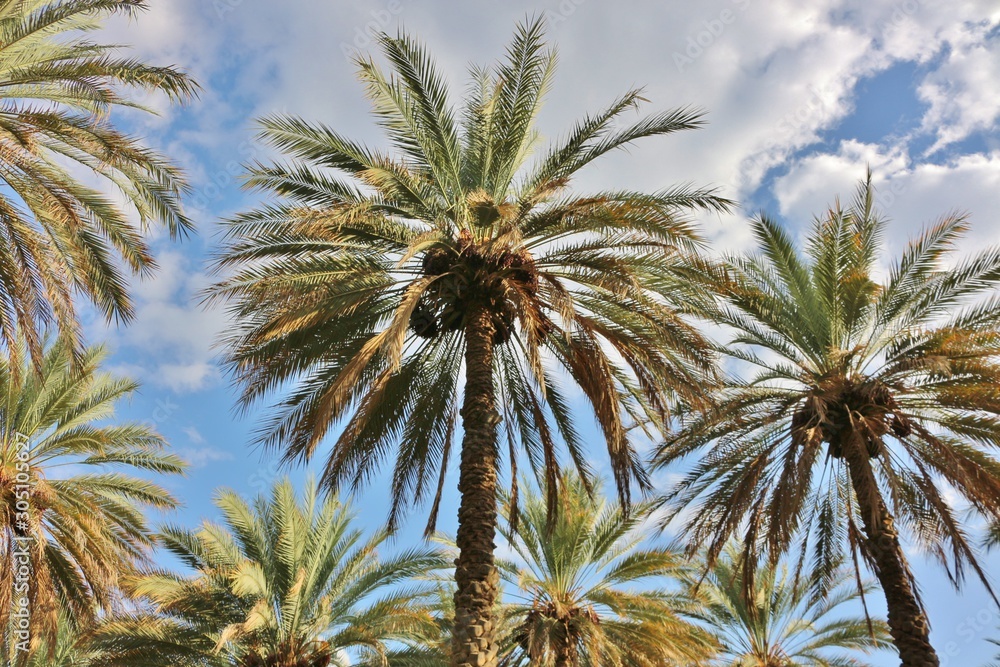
(62, 236)
(283, 582)
(374, 278)
(69, 507)
(594, 591)
(780, 622)
(868, 397)
(70, 649)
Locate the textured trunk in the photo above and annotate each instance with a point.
(907, 622)
(563, 650)
(473, 643)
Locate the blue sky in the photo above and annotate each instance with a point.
(800, 97)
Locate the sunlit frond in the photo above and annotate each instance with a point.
(60, 238)
(74, 497)
(283, 578)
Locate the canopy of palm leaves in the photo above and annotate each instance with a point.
(70, 648)
(993, 537)
(782, 623)
(358, 290)
(57, 234)
(591, 590)
(68, 498)
(864, 400)
(375, 275)
(282, 582)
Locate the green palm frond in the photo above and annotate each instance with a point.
(58, 235)
(71, 498)
(69, 648)
(283, 577)
(781, 620)
(993, 538)
(429, 644)
(591, 589)
(349, 290)
(862, 398)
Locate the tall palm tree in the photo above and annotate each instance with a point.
(283, 582)
(71, 509)
(594, 591)
(867, 399)
(781, 623)
(59, 235)
(375, 276)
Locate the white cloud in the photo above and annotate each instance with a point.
(962, 92)
(772, 75)
(202, 456)
(194, 435)
(187, 377)
(170, 341)
(912, 194)
(814, 181)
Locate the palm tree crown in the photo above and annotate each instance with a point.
(593, 591)
(868, 397)
(781, 623)
(360, 292)
(60, 235)
(70, 648)
(376, 276)
(283, 582)
(67, 496)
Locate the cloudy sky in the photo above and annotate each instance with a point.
(800, 98)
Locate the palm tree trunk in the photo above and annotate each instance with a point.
(908, 624)
(473, 643)
(563, 650)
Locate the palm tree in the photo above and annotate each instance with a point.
(283, 582)
(594, 589)
(70, 649)
(70, 510)
(60, 235)
(780, 623)
(374, 277)
(869, 397)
